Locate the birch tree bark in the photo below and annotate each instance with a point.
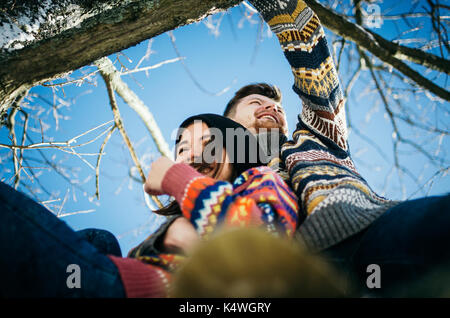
(45, 39)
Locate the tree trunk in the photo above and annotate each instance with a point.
(42, 40)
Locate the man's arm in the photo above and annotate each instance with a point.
(316, 81)
(315, 78)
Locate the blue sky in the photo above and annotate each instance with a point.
(229, 60)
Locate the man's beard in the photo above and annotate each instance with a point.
(265, 125)
(270, 140)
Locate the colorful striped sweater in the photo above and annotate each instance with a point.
(335, 199)
(258, 197)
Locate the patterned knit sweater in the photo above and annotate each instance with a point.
(335, 199)
(258, 198)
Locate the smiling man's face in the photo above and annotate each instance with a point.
(258, 111)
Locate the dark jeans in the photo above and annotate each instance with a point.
(37, 248)
(409, 243)
(104, 241)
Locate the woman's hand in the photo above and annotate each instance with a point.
(156, 175)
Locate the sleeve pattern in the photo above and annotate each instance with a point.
(316, 81)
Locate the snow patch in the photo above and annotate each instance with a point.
(23, 29)
(212, 11)
(16, 33)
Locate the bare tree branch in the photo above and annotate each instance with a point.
(97, 169)
(194, 80)
(107, 70)
(98, 28)
(388, 52)
(119, 124)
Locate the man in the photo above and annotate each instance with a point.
(344, 219)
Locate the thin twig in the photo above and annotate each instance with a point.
(97, 170)
(107, 70)
(194, 80)
(119, 124)
(151, 67)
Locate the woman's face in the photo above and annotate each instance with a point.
(193, 141)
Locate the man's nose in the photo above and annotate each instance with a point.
(273, 106)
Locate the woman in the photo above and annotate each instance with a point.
(39, 251)
(230, 190)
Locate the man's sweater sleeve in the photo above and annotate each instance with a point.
(316, 81)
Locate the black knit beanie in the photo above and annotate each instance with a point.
(243, 150)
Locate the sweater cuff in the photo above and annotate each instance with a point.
(141, 280)
(177, 179)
